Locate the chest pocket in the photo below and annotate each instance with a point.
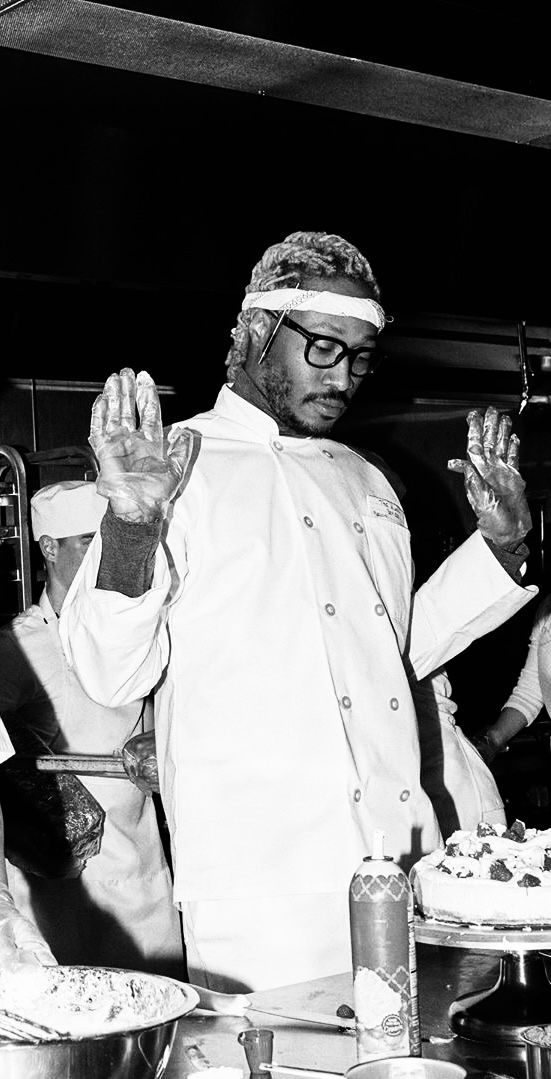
(389, 541)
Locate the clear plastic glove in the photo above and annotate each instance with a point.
(139, 756)
(494, 486)
(20, 941)
(139, 470)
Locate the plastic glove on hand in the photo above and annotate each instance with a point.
(139, 470)
(494, 486)
(139, 756)
(20, 941)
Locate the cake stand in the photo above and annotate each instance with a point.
(521, 997)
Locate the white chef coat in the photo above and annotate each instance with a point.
(285, 727)
(120, 910)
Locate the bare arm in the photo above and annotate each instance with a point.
(496, 738)
(526, 700)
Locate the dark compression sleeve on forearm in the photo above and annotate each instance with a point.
(512, 558)
(128, 555)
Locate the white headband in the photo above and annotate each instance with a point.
(330, 303)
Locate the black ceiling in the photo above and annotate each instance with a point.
(496, 43)
(134, 206)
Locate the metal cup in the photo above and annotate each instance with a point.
(538, 1051)
(258, 1043)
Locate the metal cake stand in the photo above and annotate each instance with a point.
(521, 997)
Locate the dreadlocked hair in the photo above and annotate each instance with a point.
(286, 265)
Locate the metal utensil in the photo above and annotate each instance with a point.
(21, 1029)
(300, 1016)
(306, 1073)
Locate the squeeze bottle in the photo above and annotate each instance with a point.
(383, 958)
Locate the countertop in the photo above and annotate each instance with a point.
(205, 1039)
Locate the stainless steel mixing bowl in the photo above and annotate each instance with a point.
(139, 1052)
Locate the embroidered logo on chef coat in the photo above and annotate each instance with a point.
(383, 507)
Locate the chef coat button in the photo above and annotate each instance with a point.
(358, 526)
(277, 445)
(329, 608)
(308, 522)
(327, 453)
(379, 609)
(357, 795)
(404, 795)
(346, 702)
(394, 704)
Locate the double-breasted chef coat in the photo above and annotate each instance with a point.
(283, 612)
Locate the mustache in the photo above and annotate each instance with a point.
(332, 397)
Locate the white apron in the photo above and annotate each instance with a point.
(119, 911)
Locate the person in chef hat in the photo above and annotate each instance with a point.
(64, 519)
(119, 911)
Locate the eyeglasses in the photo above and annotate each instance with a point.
(321, 351)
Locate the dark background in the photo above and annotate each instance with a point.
(133, 209)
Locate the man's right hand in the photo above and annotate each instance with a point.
(21, 943)
(139, 471)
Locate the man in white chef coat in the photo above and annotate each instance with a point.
(119, 910)
(277, 618)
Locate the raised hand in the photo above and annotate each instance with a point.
(140, 470)
(494, 486)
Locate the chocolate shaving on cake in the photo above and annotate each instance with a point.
(516, 832)
(528, 881)
(483, 828)
(499, 871)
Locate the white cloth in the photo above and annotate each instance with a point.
(119, 911)
(533, 689)
(331, 303)
(234, 945)
(285, 727)
(69, 508)
(460, 785)
(6, 747)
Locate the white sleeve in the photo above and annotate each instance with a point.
(469, 595)
(117, 645)
(533, 688)
(527, 696)
(6, 747)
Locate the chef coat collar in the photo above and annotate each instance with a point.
(233, 407)
(46, 609)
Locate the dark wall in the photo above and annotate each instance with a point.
(134, 208)
(151, 199)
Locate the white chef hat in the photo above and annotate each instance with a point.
(69, 508)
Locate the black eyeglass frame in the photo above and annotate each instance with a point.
(283, 319)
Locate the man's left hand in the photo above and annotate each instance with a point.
(493, 484)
